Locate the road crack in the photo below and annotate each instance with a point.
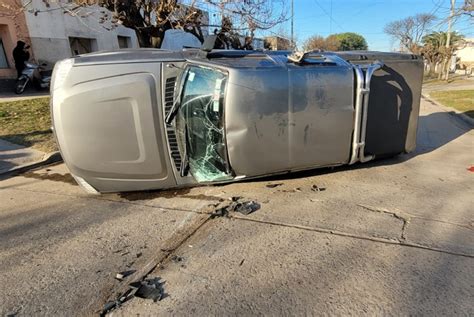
(354, 236)
(404, 217)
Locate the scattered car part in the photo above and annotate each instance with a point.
(246, 207)
(149, 289)
(121, 275)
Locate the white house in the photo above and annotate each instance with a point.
(55, 35)
(60, 29)
(464, 57)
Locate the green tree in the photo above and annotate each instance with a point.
(434, 49)
(349, 41)
(336, 42)
(439, 39)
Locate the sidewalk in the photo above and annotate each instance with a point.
(465, 84)
(10, 96)
(7, 91)
(13, 156)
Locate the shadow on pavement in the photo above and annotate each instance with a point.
(5, 164)
(25, 139)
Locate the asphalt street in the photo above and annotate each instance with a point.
(391, 237)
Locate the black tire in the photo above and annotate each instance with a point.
(20, 85)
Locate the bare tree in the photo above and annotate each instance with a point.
(317, 42)
(409, 31)
(11, 9)
(466, 8)
(152, 18)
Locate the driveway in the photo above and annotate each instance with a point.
(390, 237)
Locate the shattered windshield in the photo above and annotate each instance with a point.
(200, 124)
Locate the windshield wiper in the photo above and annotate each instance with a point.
(185, 158)
(174, 110)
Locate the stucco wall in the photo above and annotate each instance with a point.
(13, 27)
(466, 54)
(48, 29)
(177, 39)
(51, 28)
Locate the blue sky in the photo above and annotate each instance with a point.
(366, 17)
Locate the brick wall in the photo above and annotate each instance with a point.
(12, 28)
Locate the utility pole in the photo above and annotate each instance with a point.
(292, 24)
(448, 39)
(330, 20)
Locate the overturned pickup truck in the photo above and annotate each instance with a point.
(155, 119)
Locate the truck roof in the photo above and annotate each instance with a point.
(227, 58)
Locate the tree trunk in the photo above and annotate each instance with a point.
(143, 38)
(432, 66)
(441, 71)
(448, 67)
(151, 36)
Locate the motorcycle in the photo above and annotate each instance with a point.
(34, 73)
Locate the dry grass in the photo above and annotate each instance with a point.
(28, 123)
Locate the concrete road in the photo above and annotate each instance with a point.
(390, 237)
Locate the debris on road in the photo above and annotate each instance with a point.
(316, 188)
(294, 190)
(120, 276)
(177, 258)
(247, 207)
(149, 289)
(220, 212)
(273, 185)
(471, 169)
(243, 207)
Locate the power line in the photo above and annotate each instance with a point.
(292, 23)
(329, 15)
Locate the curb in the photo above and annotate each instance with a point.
(48, 159)
(455, 113)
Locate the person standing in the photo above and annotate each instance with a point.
(20, 55)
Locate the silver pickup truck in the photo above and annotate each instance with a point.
(155, 119)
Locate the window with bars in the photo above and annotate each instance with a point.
(3, 56)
